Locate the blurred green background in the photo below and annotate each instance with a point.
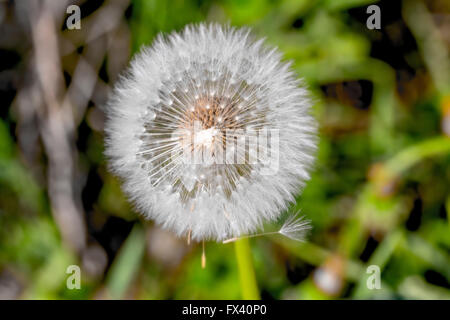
(379, 194)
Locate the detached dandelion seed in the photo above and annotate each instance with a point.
(174, 123)
(295, 227)
(203, 255)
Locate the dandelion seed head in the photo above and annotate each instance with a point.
(192, 95)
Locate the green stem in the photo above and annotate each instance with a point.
(247, 277)
(126, 265)
(447, 207)
(410, 156)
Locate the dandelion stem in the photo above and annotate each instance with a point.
(249, 287)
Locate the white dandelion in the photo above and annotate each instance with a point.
(211, 133)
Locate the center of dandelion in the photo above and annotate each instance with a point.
(205, 137)
(192, 133)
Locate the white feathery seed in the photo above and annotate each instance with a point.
(177, 121)
(295, 227)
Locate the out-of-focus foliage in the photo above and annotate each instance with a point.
(379, 194)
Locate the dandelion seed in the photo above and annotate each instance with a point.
(295, 227)
(172, 122)
(203, 255)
